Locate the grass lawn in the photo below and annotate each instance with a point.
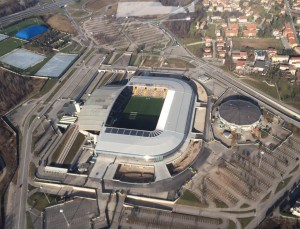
(150, 61)
(262, 86)
(295, 169)
(211, 31)
(74, 149)
(13, 29)
(46, 88)
(188, 198)
(39, 201)
(133, 59)
(245, 205)
(245, 221)
(282, 184)
(144, 105)
(10, 44)
(188, 40)
(260, 43)
(29, 224)
(220, 204)
(72, 48)
(32, 70)
(32, 169)
(176, 63)
(196, 49)
(231, 225)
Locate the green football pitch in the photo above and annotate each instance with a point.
(147, 106)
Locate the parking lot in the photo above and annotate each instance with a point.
(78, 213)
(140, 217)
(120, 33)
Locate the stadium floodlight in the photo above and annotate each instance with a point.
(261, 155)
(147, 157)
(188, 18)
(62, 212)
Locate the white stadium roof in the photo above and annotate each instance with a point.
(172, 127)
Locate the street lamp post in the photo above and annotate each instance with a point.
(45, 194)
(261, 155)
(62, 212)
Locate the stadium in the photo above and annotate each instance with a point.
(148, 118)
(239, 114)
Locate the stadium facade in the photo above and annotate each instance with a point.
(239, 115)
(165, 103)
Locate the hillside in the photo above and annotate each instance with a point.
(13, 90)
(8, 7)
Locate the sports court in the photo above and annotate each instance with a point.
(144, 105)
(2, 37)
(57, 65)
(22, 58)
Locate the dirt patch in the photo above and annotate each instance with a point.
(175, 2)
(16, 88)
(61, 23)
(95, 5)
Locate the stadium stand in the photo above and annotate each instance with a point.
(157, 92)
(32, 31)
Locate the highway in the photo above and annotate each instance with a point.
(26, 130)
(38, 9)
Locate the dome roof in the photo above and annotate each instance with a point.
(240, 112)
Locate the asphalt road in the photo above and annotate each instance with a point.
(38, 9)
(25, 149)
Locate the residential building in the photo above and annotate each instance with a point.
(242, 19)
(271, 52)
(280, 58)
(260, 55)
(295, 61)
(231, 33)
(219, 38)
(250, 31)
(240, 64)
(222, 53)
(259, 65)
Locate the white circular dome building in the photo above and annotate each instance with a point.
(238, 114)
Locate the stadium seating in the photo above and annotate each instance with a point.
(157, 92)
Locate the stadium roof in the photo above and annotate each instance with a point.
(172, 127)
(96, 109)
(31, 32)
(240, 112)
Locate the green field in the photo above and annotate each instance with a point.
(144, 105)
(13, 29)
(10, 44)
(140, 113)
(256, 43)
